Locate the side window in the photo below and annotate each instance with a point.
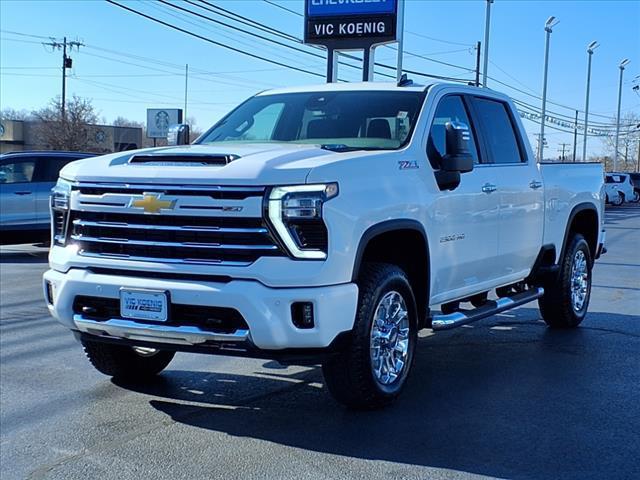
(498, 131)
(450, 108)
(19, 171)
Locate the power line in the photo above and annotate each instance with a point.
(214, 42)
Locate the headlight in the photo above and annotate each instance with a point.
(60, 195)
(296, 214)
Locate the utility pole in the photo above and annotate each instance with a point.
(575, 137)
(563, 146)
(67, 62)
(487, 25)
(186, 80)
(478, 64)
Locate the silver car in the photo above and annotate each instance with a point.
(26, 180)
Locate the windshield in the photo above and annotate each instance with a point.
(373, 120)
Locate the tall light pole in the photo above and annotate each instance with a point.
(487, 24)
(623, 64)
(548, 28)
(590, 48)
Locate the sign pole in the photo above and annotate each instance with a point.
(368, 62)
(332, 65)
(400, 35)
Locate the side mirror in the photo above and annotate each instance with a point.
(178, 134)
(458, 157)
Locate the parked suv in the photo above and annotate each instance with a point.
(322, 225)
(26, 180)
(623, 183)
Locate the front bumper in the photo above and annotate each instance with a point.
(267, 311)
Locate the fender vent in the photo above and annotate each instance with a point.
(183, 160)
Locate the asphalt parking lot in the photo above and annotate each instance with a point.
(505, 397)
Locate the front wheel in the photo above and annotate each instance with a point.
(373, 368)
(619, 200)
(566, 299)
(127, 363)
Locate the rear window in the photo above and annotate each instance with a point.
(498, 130)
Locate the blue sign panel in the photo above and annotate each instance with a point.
(330, 8)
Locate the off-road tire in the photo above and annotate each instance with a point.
(349, 375)
(124, 363)
(556, 306)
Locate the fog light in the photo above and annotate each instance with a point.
(49, 292)
(302, 314)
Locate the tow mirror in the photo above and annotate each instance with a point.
(458, 158)
(178, 134)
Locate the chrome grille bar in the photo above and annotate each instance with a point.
(186, 228)
(147, 243)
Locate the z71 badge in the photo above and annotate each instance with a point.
(407, 164)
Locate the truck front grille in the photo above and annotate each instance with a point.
(100, 230)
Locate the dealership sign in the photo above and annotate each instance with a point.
(160, 119)
(347, 24)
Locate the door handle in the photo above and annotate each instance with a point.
(23, 193)
(488, 188)
(535, 184)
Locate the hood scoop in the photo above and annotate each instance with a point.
(187, 160)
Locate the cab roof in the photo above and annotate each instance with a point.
(348, 87)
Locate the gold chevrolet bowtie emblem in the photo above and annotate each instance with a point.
(151, 203)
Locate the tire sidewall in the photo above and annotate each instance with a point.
(398, 282)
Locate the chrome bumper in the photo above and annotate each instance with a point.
(130, 330)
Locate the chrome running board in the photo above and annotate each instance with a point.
(463, 317)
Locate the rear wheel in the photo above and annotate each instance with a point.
(372, 370)
(636, 196)
(127, 363)
(566, 299)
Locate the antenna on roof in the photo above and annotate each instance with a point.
(404, 81)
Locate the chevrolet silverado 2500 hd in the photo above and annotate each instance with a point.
(322, 225)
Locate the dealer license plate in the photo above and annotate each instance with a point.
(144, 304)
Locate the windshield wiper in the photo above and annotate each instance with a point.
(339, 147)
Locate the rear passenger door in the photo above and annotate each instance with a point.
(519, 188)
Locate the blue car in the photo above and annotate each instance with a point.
(26, 180)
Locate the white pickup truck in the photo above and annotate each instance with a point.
(322, 225)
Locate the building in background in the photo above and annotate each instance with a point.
(19, 135)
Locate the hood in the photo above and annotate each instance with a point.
(250, 164)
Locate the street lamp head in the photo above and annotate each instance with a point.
(592, 46)
(550, 23)
(624, 63)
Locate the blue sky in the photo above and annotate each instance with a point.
(130, 63)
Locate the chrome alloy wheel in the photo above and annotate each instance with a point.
(579, 280)
(389, 338)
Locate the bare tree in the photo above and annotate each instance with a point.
(12, 114)
(194, 131)
(628, 144)
(71, 131)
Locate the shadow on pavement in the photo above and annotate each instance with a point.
(17, 256)
(522, 401)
